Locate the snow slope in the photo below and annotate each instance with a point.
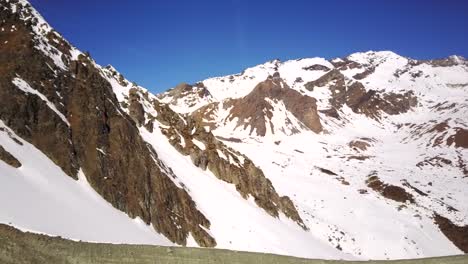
(40, 197)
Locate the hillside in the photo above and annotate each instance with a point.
(24, 248)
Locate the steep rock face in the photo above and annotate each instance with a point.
(457, 234)
(27, 113)
(460, 139)
(138, 186)
(135, 109)
(255, 110)
(64, 106)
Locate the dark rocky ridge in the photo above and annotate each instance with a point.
(254, 110)
(352, 93)
(389, 191)
(8, 158)
(137, 186)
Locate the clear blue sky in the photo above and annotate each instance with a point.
(161, 43)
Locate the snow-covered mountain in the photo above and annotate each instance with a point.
(353, 158)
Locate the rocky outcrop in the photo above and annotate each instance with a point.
(191, 95)
(457, 234)
(206, 115)
(95, 135)
(459, 139)
(389, 191)
(9, 159)
(254, 111)
(359, 145)
(364, 74)
(447, 62)
(331, 76)
(316, 67)
(368, 102)
(135, 109)
(27, 113)
(224, 162)
(127, 175)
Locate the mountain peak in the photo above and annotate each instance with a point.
(374, 57)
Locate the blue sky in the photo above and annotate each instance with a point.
(158, 44)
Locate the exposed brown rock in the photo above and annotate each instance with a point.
(418, 191)
(255, 108)
(434, 162)
(460, 139)
(330, 112)
(135, 183)
(462, 165)
(236, 140)
(136, 111)
(316, 67)
(205, 115)
(353, 157)
(345, 64)
(336, 176)
(359, 145)
(329, 172)
(364, 74)
(447, 62)
(457, 234)
(27, 114)
(333, 75)
(388, 191)
(298, 80)
(8, 158)
(370, 103)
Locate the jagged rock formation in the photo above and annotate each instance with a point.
(256, 108)
(354, 95)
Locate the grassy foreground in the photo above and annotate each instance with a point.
(20, 248)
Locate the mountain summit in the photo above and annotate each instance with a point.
(351, 158)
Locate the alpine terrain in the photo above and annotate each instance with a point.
(362, 157)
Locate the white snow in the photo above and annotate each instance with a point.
(40, 197)
(101, 151)
(199, 144)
